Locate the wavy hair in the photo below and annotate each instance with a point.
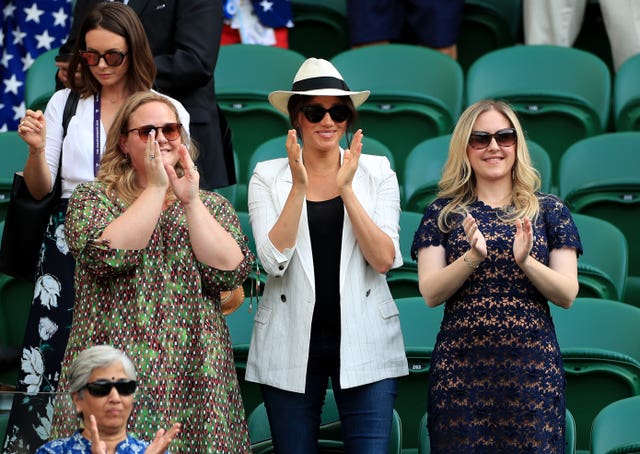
(458, 181)
(120, 19)
(116, 171)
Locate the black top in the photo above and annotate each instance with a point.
(325, 230)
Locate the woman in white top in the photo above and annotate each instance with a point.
(112, 60)
(325, 222)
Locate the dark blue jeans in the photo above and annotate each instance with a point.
(365, 411)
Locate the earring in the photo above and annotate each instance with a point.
(513, 174)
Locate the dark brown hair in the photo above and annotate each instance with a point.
(120, 19)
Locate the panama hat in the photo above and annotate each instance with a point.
(316, 77)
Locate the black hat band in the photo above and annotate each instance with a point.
(319, 83)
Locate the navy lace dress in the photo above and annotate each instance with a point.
(497, 379)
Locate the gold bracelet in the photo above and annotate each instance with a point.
(470, 264)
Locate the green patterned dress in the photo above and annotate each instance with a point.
(162, 307)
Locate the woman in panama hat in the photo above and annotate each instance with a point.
(325, 221)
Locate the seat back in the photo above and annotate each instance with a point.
(603, 268)
(40, 80)
(416, 93)
(422, 172)
(599, 177)
(245, 75)
(556, 108)
(626, 95)
(615, 428)
(12, 159)
(320, 29)
(420, 325)
(600, 344)
(487, 25)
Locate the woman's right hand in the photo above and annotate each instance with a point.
(154, 164)
(294, 152)
(476, 240)
(33, 130)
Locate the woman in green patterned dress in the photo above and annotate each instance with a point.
(153, 253)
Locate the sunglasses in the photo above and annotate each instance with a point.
(171, 131)
(315, 113)
(481, 139)
(102, 388)
(111, 57)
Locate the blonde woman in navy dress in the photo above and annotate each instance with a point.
(495, 252)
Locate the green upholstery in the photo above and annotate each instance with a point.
(424, 446)
(424, 164)
(602, 269)
(422, 172)
(487, 25)
(626, 95)
(416, 93)
(40, 81)
(600, 344)
(557, 106)
(245, 75)
(542, 162)
(403, 281)
(599, 177)
(12, 159)
(615, 428)
(330, 438)
(321, 29)
(420, 325)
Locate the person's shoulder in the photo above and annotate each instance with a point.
(131, 445)
(75, 444)
(549, 201)
(271, 167)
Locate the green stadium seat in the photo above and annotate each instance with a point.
(416, 93)
(615, 428)
(320, 29)
(598, 176)
(40, 81)
(600, 344)
(626, 95)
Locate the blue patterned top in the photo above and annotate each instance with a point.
(78, 444)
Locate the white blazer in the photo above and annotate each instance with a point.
(371, 345)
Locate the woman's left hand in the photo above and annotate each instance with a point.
(523, 241)
(162, 440)
(186, 186)
(350, 162)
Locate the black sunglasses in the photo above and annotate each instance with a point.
(481, 139)
(171, 131)
(102, 388)
(111, 57)
(315, 113)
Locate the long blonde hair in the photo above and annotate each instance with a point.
(458, 181)
(116, 171)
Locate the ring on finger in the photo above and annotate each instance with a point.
(152, 156)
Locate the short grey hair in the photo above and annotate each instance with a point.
(94, 358)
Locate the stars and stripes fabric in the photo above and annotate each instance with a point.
(29, 28)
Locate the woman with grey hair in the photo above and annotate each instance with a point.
(102, 383)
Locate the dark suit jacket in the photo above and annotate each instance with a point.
(184, 36)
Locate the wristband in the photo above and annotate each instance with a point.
(470, 264)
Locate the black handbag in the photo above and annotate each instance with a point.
(27, 218)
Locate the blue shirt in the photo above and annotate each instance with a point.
(77, 444)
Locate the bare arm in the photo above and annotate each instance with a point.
(36, 172)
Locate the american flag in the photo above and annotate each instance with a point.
(29, 28)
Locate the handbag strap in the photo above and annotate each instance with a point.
(70, 106)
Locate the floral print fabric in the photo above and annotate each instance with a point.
(46, 335)
(77, 444)
(162, 307)
(497, 378)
